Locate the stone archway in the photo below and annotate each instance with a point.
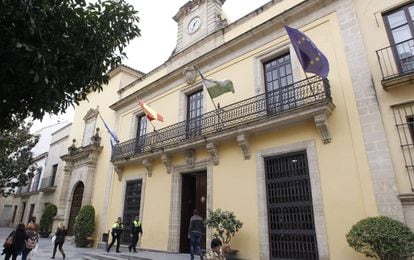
(75, 206)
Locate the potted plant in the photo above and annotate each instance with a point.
(84, 226)
(382, 238)
(46, 220)
(224, 225)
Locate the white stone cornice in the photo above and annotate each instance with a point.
(212, 150)
(242, 140)
(321, 122)
(166, 159)
(148, 165)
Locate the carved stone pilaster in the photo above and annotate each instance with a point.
(321, 122)
(148, 165)
(68, 168)
(212, 150)
(118, 170)
(244, 145)
(165, 158)
(190, 157)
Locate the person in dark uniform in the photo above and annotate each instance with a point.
(117, 229)
(136, 229)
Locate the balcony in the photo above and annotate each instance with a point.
(25, 191)
(48, 184)
(308, 99)
(397, 64)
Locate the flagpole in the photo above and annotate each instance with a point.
(202, 78)
(215, 107)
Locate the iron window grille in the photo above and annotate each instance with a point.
(404, 121)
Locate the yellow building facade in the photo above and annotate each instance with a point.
(298, 159)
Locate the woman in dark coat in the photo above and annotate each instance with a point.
(18, 244)
(59, 240)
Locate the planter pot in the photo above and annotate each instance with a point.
(229, 252)
(82, 242)
(44, 234)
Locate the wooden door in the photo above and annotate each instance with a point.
(194, 196)
(75, 207)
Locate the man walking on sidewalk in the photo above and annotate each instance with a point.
(195, 232)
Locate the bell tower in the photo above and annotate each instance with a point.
(197, 19)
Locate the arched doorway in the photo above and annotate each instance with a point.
(75, 207)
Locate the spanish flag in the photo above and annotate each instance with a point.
(149, 112)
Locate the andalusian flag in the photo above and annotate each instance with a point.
(217, 88)
(149, 112)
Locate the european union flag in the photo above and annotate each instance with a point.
(310, 57)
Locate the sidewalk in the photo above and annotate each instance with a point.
(45, 248)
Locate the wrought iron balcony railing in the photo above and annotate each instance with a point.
(47, 182)
(297, 95)
(396, 60)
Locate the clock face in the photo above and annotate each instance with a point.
(194, 24)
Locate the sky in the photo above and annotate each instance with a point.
(158, 38)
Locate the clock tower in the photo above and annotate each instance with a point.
(197, 19)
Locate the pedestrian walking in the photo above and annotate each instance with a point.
(31, 240)
(17, 242)
(59, 240)
(117, 229)
(136, 229)
(36, 225)
(195, 232)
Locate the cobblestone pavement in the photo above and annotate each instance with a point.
(45, 248)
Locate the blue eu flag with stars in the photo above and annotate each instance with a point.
(310, 57)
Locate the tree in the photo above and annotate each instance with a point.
(84, 225)
(53, 53)
(46, 221)
(382, 238)
(16, 165)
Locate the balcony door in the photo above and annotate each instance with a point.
(194, 112)
(279, 84)
(401, 31)
(141, 132)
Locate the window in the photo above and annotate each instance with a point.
(36, 180)
(23, 210)
(53, 176)
(141, 132)
(14, 213)
(31, 211)
(404, 121)
(278, 83)
(88, 132)
(410, 123)
(400, 29)
(194, 112)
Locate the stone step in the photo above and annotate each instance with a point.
(111, 256)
